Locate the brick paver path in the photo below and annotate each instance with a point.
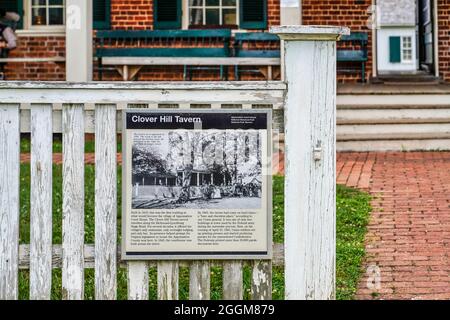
(57, 158)
(409, 231)
(408, 239)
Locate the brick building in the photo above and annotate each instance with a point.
(408, 38)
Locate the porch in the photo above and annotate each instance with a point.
(156, 51)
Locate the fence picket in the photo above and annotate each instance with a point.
(261, 280)
(73, 202)
(9, 200)
(168, 280)
(105, 202)
(232, 280)
(138, 280)
(41, 202)
(199, 281)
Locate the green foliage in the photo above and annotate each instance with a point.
(145, 162)
(278, 209)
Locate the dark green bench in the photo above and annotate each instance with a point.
(357, 54)
(265, 57)
(159, 47)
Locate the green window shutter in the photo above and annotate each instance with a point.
(13, 6)
(253, 14)
(167, 14)
(102, 14)
(395, 50)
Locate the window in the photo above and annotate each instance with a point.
(213, 12)
(101, 14)
(406, 49)
(177, 14)
(47, 13)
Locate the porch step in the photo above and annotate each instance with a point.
(394, 145)
(420, 78)
(379, 90)
(398, 131)
(394, 127)
(389, 115)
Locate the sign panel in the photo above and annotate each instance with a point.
(196, 184)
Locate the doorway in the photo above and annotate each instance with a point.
(426, 35)
(405, 41)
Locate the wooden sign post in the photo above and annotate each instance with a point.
(310, 136)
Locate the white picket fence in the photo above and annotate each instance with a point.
(73, 109)
(96, 108)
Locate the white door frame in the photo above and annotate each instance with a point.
(435, 41)
(374, 44)
(436, 38)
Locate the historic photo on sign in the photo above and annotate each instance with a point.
(197, 169)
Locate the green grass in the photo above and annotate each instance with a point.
(352, 216)
(89, 145)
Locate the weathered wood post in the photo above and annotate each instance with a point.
(79, 40)
(310, 168)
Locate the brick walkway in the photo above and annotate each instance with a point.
(57, 158)
(409, 231)
(408, 238)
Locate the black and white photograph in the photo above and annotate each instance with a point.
(197, 169)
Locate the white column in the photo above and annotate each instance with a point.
(79, 40)
(310, 135)
(290, 11)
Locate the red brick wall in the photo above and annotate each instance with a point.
(444, 38)
(37, 47)
(125, 14)
(350, 13)
(138, 14)
(273, 12)
(132, 14)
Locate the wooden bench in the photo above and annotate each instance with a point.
(358, 39)
(260, 57)
(160, 47)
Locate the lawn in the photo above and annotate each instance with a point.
(89, 144)
(352, 216)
